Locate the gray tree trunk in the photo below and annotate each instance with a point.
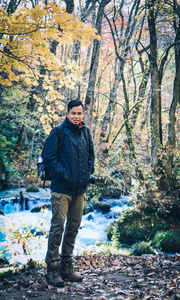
(155, 116)
(176, 98)
(95, 56)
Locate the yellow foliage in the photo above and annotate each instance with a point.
(30, 31)
(40, 109)
(25, 43)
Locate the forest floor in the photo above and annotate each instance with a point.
(105, 277)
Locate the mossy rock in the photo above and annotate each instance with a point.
(40, 207)
(32, 188)
(102, 206)
(167, 241)
(134, 227)
(94, 200)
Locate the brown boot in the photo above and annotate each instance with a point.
(53, 275)
(67, 272)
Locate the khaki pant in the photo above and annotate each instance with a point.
(62, 206)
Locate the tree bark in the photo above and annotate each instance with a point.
(95, 56)
(112, 97)
(155, 116)
(176, 98)
(69, 6)
(3, 174)
(21, 139)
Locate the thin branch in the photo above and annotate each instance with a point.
(127, 114)
(20, 60)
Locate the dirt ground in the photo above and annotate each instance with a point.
(105, 277)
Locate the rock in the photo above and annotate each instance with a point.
(1, 212)
(40, 207)
(90, 217)
(4, 261)
(103, 207)
(177, 257)
(100, 198)
(37, 233)
(2, 287)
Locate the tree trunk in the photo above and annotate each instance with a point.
(3, 175)
(122, 47)
(21, 139)
(69, 6)
(172, 118)
(128, 128)
(155, 116)
(95, 56)
(112, 97)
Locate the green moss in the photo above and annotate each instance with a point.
(101, 206)
(94, 200)
(6, 272)
(32, 188)
(130, 214)
(142, 248)
(167, 241)
(109, 230)
(133, 226)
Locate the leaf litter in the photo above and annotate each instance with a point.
(106, 277)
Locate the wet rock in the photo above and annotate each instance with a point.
(2, 287)
(177, 257)
(41, 207)
(90, 217)
(3, 261)
(103, 207)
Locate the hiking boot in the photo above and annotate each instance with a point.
(67, 272)
(53, 275)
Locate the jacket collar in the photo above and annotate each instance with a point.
(72, 126)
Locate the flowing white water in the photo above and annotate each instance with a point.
(19, 227)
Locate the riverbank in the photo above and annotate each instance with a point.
(13, 193)
(34, 224)
(105, 278)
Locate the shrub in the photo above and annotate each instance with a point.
(109, 230)
(32, 188)
(133, 227)
(142, 248)
(115, 237)
(167, 241)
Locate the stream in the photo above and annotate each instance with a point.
(24, 234)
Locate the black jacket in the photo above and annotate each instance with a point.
(70, 165)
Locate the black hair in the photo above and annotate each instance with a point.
(73, 103)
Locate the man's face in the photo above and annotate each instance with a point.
(75, 115)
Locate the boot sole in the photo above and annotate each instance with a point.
(71, 279)
(60, 284)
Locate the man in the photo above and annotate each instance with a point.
(71, 167)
